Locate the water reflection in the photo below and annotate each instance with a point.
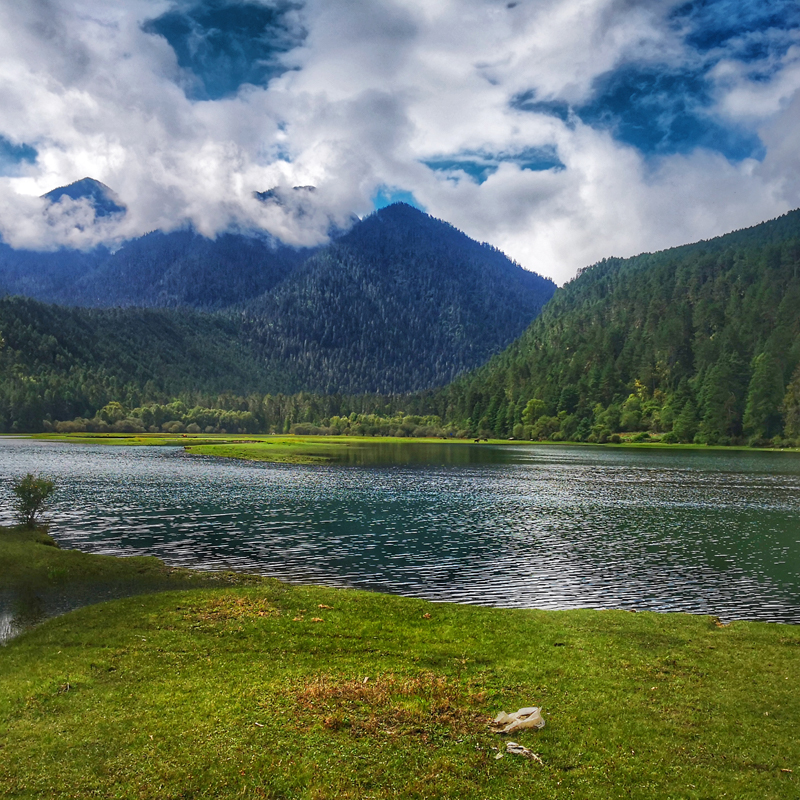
(515, 526)
(21, 609)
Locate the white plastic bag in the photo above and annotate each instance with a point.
(529, 717)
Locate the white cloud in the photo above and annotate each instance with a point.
(377, 87)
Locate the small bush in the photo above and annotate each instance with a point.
(32, 494)
(615, 438)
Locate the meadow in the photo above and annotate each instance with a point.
(249, 688)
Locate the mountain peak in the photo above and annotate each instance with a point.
(104, 200)
(400, 210)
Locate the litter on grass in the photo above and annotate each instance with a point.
(519, 750)
(530, 717)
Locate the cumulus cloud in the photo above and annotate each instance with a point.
(561, 131)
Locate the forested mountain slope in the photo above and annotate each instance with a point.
(62, 363)
(700, 342)
(402, 302)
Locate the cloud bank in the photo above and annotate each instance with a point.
(561, 131)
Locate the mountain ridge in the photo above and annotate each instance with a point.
(401, 302)
(398, 282)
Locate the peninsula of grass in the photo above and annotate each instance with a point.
(276, 691)
(286, 449)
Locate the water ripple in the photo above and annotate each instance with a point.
(547, 527)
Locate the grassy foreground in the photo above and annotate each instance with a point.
(274, 691)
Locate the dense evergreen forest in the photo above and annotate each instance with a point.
(178, 269)
(60, 363)
(402, 302)
(699, 343)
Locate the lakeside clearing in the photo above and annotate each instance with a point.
(270, 690)
(292, 449)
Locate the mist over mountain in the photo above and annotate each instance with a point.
(102, 199)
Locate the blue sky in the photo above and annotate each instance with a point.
(221, 45)
(561, 131)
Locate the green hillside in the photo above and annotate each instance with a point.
(402, 302)
(62, 363)
(700, 343)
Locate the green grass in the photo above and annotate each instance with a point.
(147, 439)
(273, 448)
(32, 560)
(239, 693)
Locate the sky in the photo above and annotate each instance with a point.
(560, 131)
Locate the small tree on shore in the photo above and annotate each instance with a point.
(32, 495)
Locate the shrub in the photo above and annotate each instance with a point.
(32, 495)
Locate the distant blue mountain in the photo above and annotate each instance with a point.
(181, 268)
(400, 302)
(105, 202)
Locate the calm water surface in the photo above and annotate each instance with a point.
(516, 526)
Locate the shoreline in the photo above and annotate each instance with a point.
(311, 449)
(268, 690)
(35, 563)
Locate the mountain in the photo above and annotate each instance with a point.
(104, 201)
(185, 269)
(161, 270)
(401, 302)
(50, 277)
(698, 343)
(158, 270)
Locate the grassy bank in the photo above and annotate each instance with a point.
(287, 449)
(31, 560)
(304, 692)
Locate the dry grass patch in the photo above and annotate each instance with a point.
(391, 705)
(231, 607)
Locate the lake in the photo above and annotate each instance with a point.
(527, 526)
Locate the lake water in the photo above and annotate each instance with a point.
(532, 526)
